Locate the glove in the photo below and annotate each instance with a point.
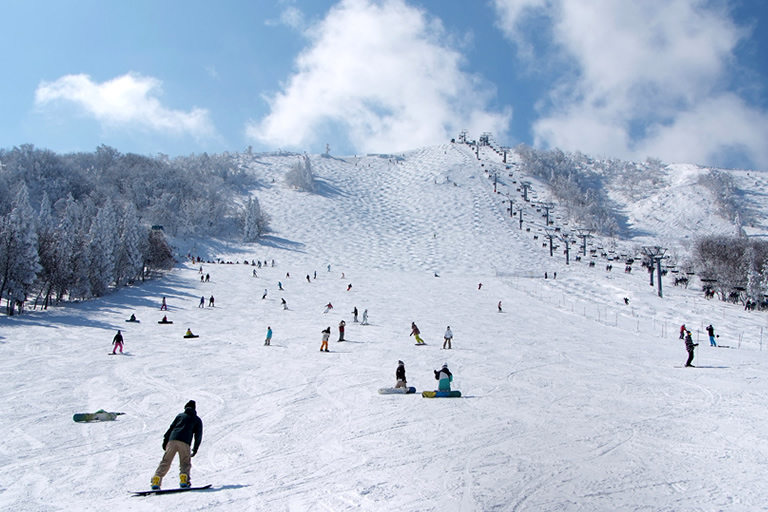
(165, 443)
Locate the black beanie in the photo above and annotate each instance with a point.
(190, 405)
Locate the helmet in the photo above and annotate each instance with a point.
(445, 365)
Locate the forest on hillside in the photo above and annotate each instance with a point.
(72, 226)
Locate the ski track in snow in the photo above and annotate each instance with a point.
(571, 400)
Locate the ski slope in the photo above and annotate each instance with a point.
(571, 398)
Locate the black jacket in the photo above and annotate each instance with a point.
(185, 426)
(400, 373)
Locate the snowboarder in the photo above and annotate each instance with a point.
(447, 337)
(365, 317)
(479, 286)
(400, 376)
(165, 320)
(210, 302)
(415, 332)
(349, 287)
(711, 332)
(177, 439)
(207, 277)
(202, 302)
(308, 279)
(689, 346)
(163, 306)
(268, 341)
(285, 304)
(254, 273)
(499, 306)
(354, 314)
(444, 377)
(279, 286)
(189, 333)
(265, 294)
(342, 324)
(326, 334)
(117, 341)
(133, 318)
(328, 307)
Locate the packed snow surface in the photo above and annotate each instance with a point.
(572, 398)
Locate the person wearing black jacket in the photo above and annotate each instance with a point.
(689, 346)
(400, 375)
(178, 439)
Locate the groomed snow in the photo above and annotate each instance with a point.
(572, 399)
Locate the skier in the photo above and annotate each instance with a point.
(447, 337)
(163, 306)
(177, 439)
(210, 302)
(268, 341)
(415, 332)
(354, 313)
(117, 341)
(711, 332)
(342, 324)
(365, 317)
(689, 346)
(202, 302)
(400, 376)
(444, 378)
(326, 334)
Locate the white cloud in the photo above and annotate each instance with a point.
(646, 78)
(383, 74)
(126, 101)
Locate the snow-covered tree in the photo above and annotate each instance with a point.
(300, 175)
(19, 259)
(255, 221)
(103, 237)
(129, 257)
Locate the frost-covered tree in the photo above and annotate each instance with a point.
(159, 253)
(103, 237)
(129, 257)
(300, 175)
(19, 259)
(255, 221)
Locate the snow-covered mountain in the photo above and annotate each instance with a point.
(572, 396)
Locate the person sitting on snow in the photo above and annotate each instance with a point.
(400, 375)
(444, 378)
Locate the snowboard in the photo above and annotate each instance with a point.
(100, 415)
(396, 391)
(134, 321)
(167, 322)
(419, 344)
(440, 394)
(117, 354)
(170, 491)
(192, 336)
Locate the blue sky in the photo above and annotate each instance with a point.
(679, 80)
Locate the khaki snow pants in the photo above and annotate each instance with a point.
(171, 449)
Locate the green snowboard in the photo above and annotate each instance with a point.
(100, 415)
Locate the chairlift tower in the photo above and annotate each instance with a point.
(525, 185)
(551, 234)
(565, 238)
(547, 207)
(584, 234)
(655, 254)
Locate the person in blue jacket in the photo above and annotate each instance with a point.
(444, 378)
(269, 336)
(186, 427)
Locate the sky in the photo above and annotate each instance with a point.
(679, 80)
